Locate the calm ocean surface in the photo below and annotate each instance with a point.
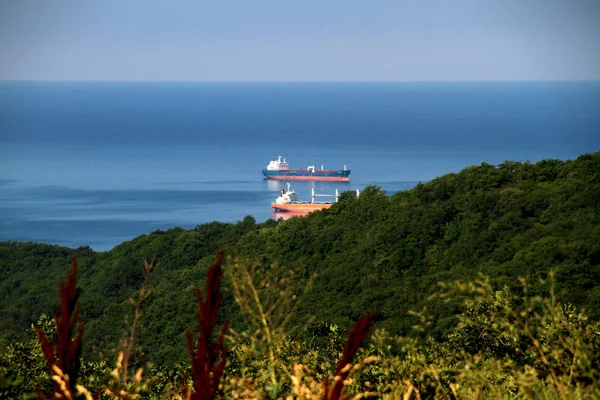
(100, 163)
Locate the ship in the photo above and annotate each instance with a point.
(288, 202)
(280, 170)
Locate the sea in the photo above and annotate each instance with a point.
(99, 163)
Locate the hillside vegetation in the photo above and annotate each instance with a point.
(377, 252)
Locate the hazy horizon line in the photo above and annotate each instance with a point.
(300, 81)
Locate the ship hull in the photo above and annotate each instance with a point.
(306, 175)
(300, 207)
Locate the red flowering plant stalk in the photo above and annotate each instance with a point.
(208, 356)
(360, 331)
(63, 354)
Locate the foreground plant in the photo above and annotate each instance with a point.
(268, 297)
(124, 384)
(63, 354)
(504, 346)
(360, 331)
(208, 356)
(266, 362)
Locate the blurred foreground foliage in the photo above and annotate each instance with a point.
(503, 346)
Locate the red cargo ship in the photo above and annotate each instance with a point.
(288, 201)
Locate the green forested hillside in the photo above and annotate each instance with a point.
(376, 252)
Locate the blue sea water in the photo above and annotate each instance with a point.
(100, 163)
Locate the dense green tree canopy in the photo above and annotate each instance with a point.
(375, 252)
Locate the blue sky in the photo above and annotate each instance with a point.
(303, 40)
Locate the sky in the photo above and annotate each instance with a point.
(300, 40)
